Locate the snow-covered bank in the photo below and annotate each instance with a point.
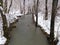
(45, 24)
(11, 17)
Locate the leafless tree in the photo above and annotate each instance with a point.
(36, 12)
(53, 14)
(21, 8)
(5, 28)
(34, 6)
(24, 6)
(5, 8)
(10, 6)
(46, 10)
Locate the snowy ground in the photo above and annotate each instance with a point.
(45, 24)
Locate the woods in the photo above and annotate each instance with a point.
(45, 14)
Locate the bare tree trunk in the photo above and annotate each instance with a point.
(10, 6)
(5, 28)
(28, 7)
(36, 12)
(33, 10)
(5, 8)
(46, 10)
(24, 6)
(21, 8)
(34, 7)
(54, 11)
(29, 10)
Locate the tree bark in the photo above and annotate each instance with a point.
(36, 12)
(24, 6)
(5, 8)
(5, 28)
(54, 11)
(10, 6)
(46, 10)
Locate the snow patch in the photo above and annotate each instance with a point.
(45, 24)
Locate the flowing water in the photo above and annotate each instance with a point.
(26, 33)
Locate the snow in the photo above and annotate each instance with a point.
(1, 8)
(11, 17)
(45, 24)
(2, 38)
(17, 13)
(59, 41)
